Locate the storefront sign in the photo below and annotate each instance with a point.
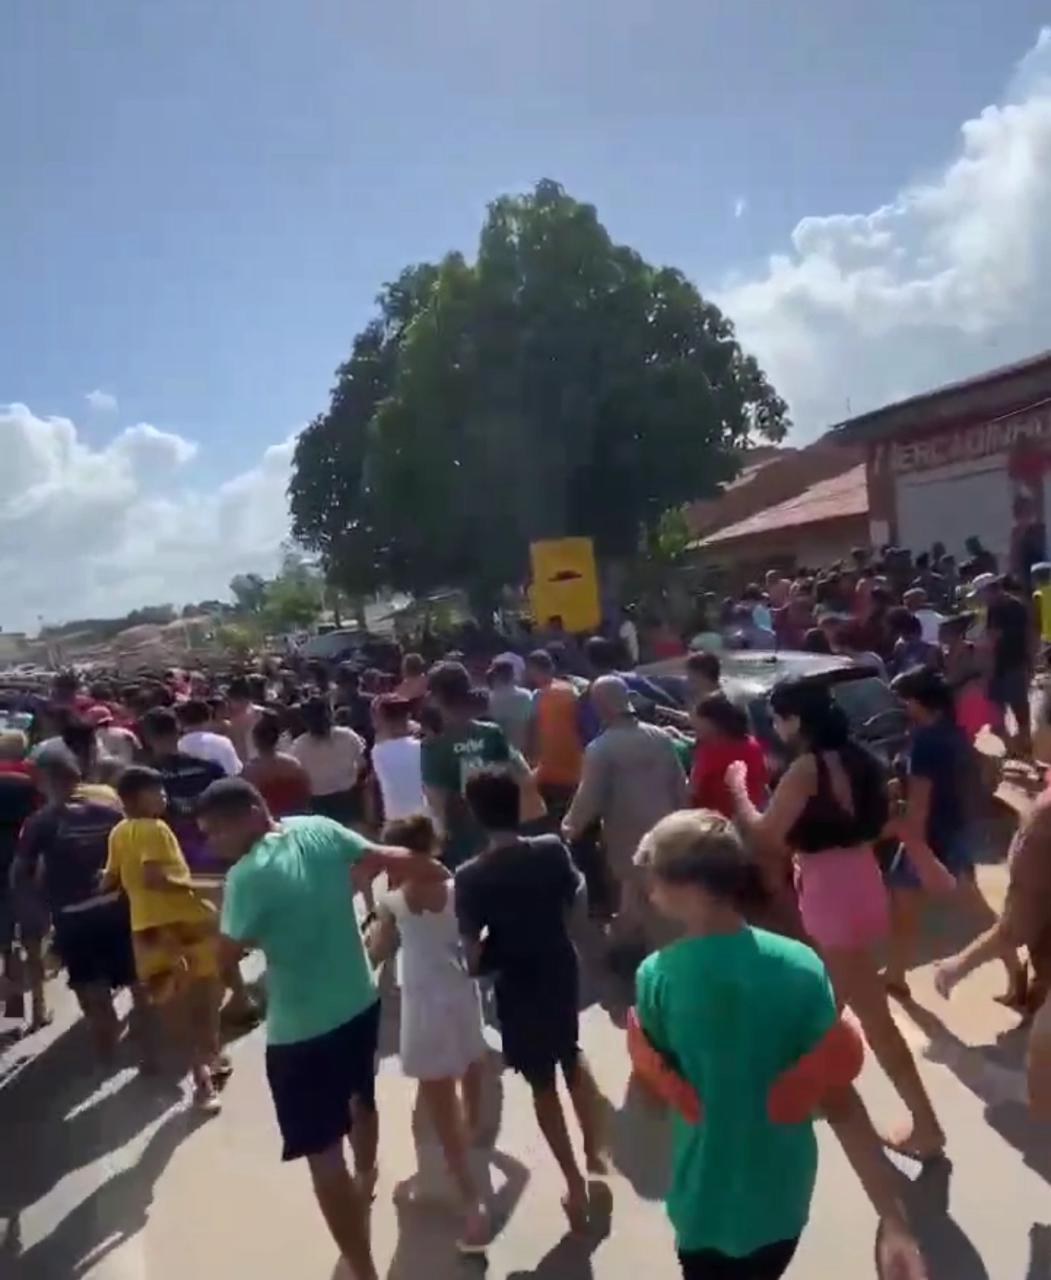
(1031, 427)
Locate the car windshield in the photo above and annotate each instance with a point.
(862, 700)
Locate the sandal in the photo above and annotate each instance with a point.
(905, 1147)
(577, 1212)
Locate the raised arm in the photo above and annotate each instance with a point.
(770, 829)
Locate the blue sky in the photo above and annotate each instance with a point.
(202, 199)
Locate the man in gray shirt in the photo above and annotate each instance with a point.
(510, 706)
(631, 779)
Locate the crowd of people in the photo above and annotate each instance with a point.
(511, 798)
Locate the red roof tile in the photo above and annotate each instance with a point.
(843, 495)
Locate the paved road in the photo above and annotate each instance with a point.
(115, 1180)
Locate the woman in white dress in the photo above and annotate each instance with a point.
(442, 1045)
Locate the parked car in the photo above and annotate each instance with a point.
(876, 716)
(351, 644)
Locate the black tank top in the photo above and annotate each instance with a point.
(824, 823)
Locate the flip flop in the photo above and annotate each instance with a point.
(577, 1213)
(904, 1148)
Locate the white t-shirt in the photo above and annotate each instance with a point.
(119, 743)
(517, 662)
(202, 744)
(333, 763)
(930, 621)
(397, 765)
(629, 633)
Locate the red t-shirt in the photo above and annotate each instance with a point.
(708, 789)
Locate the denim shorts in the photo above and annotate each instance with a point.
(957, 857)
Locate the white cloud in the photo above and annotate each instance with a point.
(98, 531)
(101, 401)
(740, 207)
(949, 278)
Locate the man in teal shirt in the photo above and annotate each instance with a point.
(290, 892)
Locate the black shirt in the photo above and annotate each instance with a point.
(1009, 619)
(185, 779)
(359, 706)
(73, 840)
(18, 800)
(520, 897)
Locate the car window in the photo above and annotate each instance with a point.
(860, 699)
(864, 699)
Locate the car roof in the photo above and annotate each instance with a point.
(754, 672)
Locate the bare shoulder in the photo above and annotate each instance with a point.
(802, 772)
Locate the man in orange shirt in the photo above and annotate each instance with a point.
(556, 748)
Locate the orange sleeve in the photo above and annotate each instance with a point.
(657, 1075)
(834, 1063)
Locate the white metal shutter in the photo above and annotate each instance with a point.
(949, 504)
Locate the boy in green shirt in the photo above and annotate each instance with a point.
(731, 1009)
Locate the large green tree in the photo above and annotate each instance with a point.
(557, 385)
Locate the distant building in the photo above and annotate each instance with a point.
(970, 458)
(788, 507)
(818, 526)
(12, 647)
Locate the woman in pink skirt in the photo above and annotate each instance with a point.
(828, 809)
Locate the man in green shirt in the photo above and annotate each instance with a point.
(449, 758)
(731, 1009)
(290, 892)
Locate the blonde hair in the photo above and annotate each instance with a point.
(701, 848)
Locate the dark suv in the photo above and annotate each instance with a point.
(876, 716)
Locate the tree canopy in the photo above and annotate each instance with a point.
(557, 385)
(290, 601)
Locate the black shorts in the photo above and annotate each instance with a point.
(540, 1024)
(95, 945)
(313, 1081)
(1011, 689)
(769, 1263)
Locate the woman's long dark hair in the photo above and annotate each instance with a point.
(822, 721)
(823, 726)
(317, 717)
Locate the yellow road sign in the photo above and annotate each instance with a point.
(565, 583)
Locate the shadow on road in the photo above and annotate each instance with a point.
(427, 1230)
(570, 1259)
(946, 1247)
(995, 1075)
(50, 1117)
(1039, 1252)
(640, 1142)
(112, 1214)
